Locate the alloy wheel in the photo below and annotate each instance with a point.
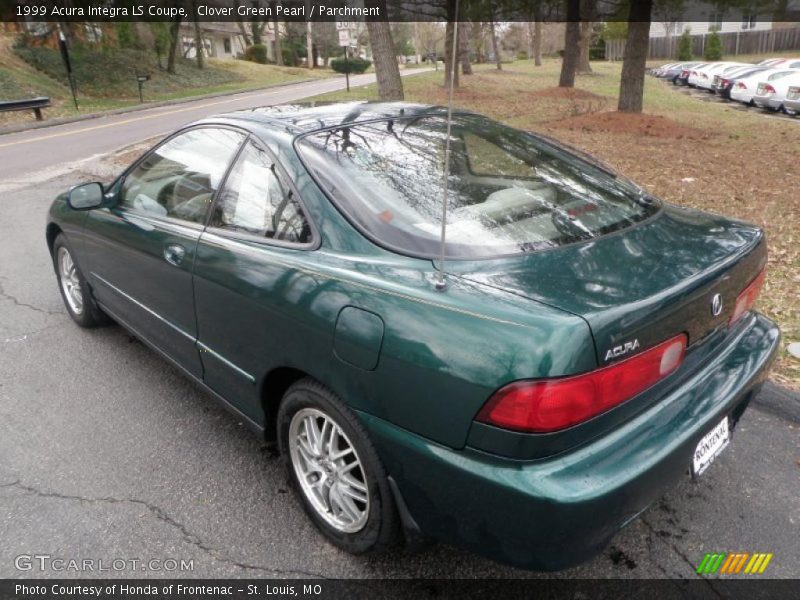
(329, 470)
(70, 281)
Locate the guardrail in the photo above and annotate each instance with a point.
(34, 104)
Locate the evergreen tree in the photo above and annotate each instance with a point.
(685, 45)
(713, 46)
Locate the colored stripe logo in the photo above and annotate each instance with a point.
(734, 563)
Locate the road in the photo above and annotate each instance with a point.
(108, 452)
(36, 149)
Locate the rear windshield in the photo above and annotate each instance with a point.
(508, 191)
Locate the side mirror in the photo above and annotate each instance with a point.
(86, 196)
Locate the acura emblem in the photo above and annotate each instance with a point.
(716, 305)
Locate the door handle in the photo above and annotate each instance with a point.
(174, 253)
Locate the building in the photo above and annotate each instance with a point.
(223, 39)
(705, 18)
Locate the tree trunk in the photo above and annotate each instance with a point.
(571, 38)
(198, 38)
(174, 40)
(495, 46)
(242, 28)
(463, 49)
(529, 52)
(390, 86)
(631, 89)
(417, 54)
(537, 43)
(448, 56)
(309, 46)
(584, 45)
(277, 42)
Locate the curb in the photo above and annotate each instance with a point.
(779, 401)
(147, 105)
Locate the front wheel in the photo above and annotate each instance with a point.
(335, 469)
(75, 291)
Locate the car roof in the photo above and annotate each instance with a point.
(303, 118)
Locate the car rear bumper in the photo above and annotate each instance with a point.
(553, 513)
(768, 102)
(792, 106)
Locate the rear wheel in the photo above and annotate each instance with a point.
(335, 469)
(74, 289)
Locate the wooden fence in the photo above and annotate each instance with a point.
(734, 43)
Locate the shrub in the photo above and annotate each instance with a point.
(354, 65)
(256, 53)
(685, 45)
(713, 49)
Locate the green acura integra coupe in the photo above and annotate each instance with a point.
(590, 347)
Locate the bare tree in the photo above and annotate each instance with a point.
(495, 45)
(174, 41)
(390, 86)
(537, 43)
(463, 48)
(669, 13)
(198, 38)
(429, 36)
(448, 55)
(242, 29)
(309, 46)
(278, 46)
(569, 64)
(631, 89)
(584, 47)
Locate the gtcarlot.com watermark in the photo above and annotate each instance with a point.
(58, 564)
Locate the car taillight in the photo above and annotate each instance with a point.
(723, 82)
(747, 298)
(553, 404)
(741, 85)
(769, 89)
(684, 74)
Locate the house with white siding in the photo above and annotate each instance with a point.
(703, 18)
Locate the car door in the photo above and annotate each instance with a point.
(247, 285)
(141, 251)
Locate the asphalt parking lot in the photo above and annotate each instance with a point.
(707, 96)
(108, 452)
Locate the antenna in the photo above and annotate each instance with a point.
(441, 283)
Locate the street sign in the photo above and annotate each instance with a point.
(346, 25)
(344, 37)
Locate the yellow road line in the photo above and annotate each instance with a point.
(124, 121)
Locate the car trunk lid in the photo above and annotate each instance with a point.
(642, 285)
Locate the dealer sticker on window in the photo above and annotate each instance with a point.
(710, 446)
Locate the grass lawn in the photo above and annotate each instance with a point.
(706, 155)
(107, 80)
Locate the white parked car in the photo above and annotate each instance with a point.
(744, 89)
(787, 63)
(772, 94)
(731, 73)
(705, 78)
(698, 72)
(792, 103)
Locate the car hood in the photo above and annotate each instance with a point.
(646, 283)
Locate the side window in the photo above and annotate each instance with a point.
(255, 200)
(489, 159)
(179, 178)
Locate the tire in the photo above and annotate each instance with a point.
(75, 291)
(374, 525)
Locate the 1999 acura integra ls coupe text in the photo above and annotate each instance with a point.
(591, 347)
